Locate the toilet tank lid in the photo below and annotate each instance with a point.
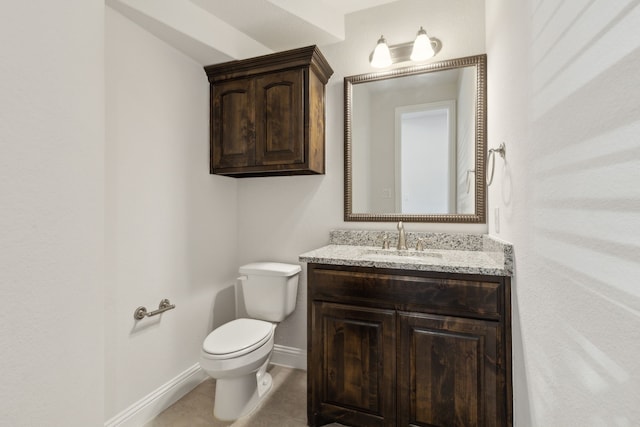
(270, 269)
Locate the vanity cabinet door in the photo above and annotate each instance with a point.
(449, 372)
(353, 358)
(233, 124)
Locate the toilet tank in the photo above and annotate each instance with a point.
(270, 289)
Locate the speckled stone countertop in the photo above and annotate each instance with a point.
(444, 252)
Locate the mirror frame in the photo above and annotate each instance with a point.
(478, 61)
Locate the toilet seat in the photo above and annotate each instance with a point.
(237, 338)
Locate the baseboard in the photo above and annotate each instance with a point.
(158, 400)
(167, 394)
(290, 357)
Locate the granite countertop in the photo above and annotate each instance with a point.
(444, 252)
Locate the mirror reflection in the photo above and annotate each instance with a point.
(414, 143)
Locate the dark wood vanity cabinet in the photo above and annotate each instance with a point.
(408, 348)
(268, 114)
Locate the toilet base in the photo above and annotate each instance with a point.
(239, 396)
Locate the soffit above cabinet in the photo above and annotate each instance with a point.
(212, 31)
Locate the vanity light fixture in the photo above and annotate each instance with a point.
(381, 56)
(423, 48)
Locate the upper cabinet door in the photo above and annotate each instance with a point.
(233, 124)
(280, 118)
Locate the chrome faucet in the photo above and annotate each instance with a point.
(402, 239)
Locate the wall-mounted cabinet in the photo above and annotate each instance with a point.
(268, 114)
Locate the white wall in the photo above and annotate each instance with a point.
(282, 217)
(51, 219)
(563, 94)
(171, 227)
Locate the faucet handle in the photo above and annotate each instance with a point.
(385, 241)
(420, 245)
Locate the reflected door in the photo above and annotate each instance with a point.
(425, 136)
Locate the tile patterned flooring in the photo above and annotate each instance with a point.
(285, 406)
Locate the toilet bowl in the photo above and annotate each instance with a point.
(237, 353)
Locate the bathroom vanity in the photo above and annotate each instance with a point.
(408, 338)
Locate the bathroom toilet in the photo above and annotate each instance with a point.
(237, 353)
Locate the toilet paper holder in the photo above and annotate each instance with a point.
(141, 312)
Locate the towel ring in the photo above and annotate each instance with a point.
(502, 150)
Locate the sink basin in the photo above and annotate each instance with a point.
(393, 255)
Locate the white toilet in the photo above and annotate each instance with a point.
(237, 353)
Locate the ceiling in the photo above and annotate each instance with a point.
(213, 31)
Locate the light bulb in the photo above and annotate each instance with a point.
(422, 48)
(381, 55)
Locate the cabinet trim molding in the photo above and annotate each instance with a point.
(295, 58)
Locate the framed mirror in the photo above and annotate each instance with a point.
(415, 143)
